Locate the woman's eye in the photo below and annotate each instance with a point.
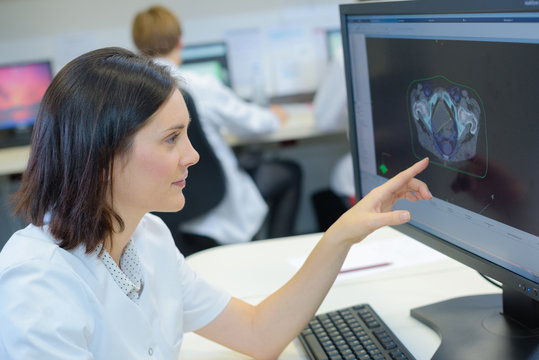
(173, 139)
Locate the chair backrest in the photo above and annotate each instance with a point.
(206, 181)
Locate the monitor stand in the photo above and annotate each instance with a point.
(474, 327)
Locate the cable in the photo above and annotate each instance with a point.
(493, 282)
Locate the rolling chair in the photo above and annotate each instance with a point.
(206, 187)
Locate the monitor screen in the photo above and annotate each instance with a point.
(21, 88)
(207, 59)
(456, 81)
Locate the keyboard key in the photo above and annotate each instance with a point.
(317, 350)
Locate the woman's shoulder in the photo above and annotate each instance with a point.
(35, 248)
(42, 296)
(29, 243)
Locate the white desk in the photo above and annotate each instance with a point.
(254, 270)
(301, 124)
(13, 160)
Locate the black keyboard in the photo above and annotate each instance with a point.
(356, 332)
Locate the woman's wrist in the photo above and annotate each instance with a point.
(336, 237)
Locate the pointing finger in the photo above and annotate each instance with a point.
(402, 179)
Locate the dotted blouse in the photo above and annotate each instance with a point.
(129, 275)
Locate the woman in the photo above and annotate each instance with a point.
(95, 275)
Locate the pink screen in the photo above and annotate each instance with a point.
(21, 89)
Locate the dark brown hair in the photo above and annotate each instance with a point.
(88, 116)
(156, 31)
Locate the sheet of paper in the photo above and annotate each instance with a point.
(368, 258)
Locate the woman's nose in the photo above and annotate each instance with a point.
(192, 156)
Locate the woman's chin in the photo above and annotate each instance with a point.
(173, 207)
(179, 206)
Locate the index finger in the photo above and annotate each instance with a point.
(402, 178)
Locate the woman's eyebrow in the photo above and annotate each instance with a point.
(179, 126)
(176, 127)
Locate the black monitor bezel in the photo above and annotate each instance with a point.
(21, 136)
(508, 278)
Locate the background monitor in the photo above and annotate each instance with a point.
(333, 43)
(207, 59)
(280, 63)
(21, 88)
(457, 81)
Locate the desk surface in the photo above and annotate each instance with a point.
(252, 271)
(300, 125)
(13, 160)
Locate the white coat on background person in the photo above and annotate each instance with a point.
(240, 214)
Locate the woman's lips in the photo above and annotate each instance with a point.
(180, 183)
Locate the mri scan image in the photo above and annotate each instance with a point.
(447, 118)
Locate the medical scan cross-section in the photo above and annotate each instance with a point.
(447, 118)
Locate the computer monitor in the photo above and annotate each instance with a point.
(207, 59)
(22, 86)
(457, 81)
(276, 64)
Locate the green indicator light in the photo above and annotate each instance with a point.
(383, 168)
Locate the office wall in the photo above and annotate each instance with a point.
(59, 30)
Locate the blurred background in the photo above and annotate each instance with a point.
(277, 52)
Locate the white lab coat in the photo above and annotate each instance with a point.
(241, 213)
(58, 304)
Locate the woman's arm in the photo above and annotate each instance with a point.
(263, 331)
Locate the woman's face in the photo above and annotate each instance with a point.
(152, 175)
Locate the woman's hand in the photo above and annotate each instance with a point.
(375, 209)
